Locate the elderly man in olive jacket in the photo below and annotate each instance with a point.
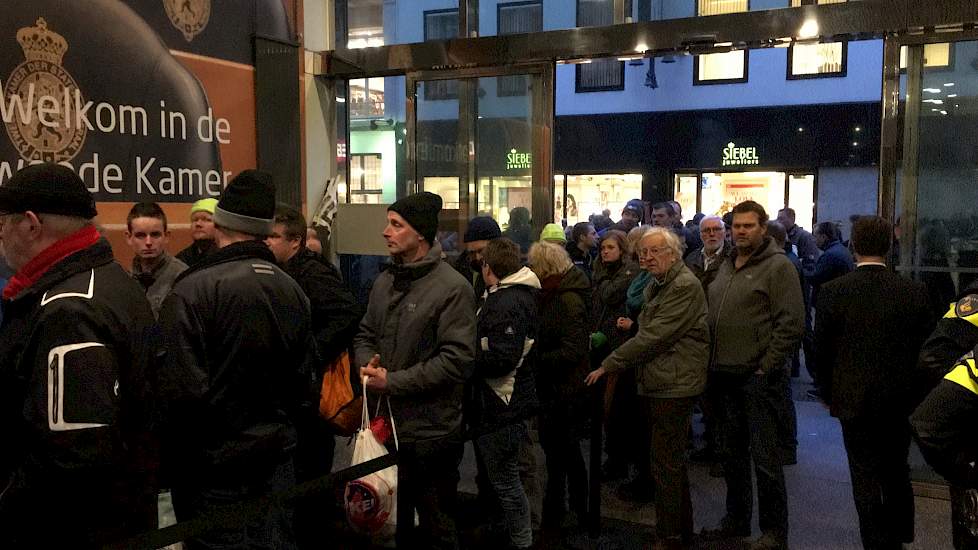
(417, 344)
(671, 351)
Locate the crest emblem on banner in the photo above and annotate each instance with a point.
(55, 137)
(189, 16)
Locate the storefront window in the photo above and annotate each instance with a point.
(720, 68)
(498, 196)
(817, 60)
(801, 197)
(721, 192)
(366, 179)
(367, 98)
(592, 194)
(685, 192)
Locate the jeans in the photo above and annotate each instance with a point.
(427, 481)
(669, 419)
(877, 448)
(788, 421)
(498, 455)
(752, 406)
(530, 472)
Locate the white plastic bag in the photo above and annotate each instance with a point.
(371, 501)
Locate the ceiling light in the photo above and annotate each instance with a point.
(809, 29)
(937, 101)
(800, 129)
(943, 112)
(952, 95)
(859, 128)
(341, 100)
(933, 90)
(855, 144)
(948, 84)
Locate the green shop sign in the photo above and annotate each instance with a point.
(518, 161)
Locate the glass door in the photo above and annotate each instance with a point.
(481, 139)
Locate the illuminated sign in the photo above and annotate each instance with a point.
(518, 161)
(740, 156)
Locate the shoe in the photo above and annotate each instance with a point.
(637, 490)
(614, 470)
(726, 530)
(716, 469)
(703, 455)
(769, 541)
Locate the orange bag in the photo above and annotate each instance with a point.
(338, 403)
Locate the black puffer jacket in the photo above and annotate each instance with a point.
(562, 346)
(335, 312)
(238, 362)
(611, 282)
(76, 406)
(502, 389)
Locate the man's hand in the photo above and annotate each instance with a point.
(376, 375)
(594, 376)
(624, 323)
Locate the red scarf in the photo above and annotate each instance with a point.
(40, 264)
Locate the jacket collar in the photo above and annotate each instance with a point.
(246, 249)
(82, 260)
(767, 249)
(524, 277)
(137, 268)
(405, 274)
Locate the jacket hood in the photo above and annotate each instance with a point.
(574, 280)
(767, 249)
(524, 277)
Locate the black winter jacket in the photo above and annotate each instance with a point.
(562, 344)
(502, 389)
(611, 284)
(238, 363)
(335, 312)
(76, 406)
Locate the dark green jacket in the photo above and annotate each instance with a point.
(757, 316)
(672, 347)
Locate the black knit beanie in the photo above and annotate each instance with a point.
(421, 212)
(48, 189)
(247, 204)
(482, 228)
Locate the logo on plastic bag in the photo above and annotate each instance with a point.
(368, 503)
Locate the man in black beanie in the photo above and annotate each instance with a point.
(76, 352)
(416, 344)
(238, 369)
(480, 231)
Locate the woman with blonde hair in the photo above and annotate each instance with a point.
(562, 364)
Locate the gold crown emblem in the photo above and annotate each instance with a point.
(40, 44)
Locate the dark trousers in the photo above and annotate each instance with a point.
(751, 409)
(208, 493)
(788, 426)
(427, 481)
(623, 412)
(497, 454)
(313, 459)
(669, 420)
(877, 447)
(559, 436)
(964, 518)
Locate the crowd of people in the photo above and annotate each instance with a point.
(200, 372)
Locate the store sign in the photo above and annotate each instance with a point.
(740, 156)
(518, 161)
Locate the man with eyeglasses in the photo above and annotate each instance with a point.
(76, 347)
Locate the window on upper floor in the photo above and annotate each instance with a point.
(718, 7)
(600, 75)
(367, 98)
(720, 68)
(936, 56)
(517, 18)
(441, 25)
(796, 3)
(366, 178)
(817, 60)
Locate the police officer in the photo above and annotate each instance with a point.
(956, 334)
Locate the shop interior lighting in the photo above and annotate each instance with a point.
(951, 96)
(809, 29)
(948, 84)
(859, 128)
(933, 90)
(800, 129)
(855, 144)
(943, 112)
(341, 100)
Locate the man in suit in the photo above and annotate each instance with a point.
(869, 327)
